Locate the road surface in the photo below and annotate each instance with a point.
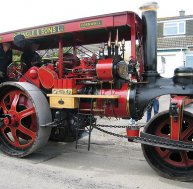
(111, 163)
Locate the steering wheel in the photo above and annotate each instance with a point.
(14, 70)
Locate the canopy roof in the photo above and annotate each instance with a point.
(90, 30)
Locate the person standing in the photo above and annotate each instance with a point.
(155, 105)
(29, 57)
(5, 59)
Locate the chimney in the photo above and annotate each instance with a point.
(149, 25)
(182, 12)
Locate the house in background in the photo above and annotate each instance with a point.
(175, 43)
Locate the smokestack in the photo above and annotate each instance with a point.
(182, 12)
(149, 26)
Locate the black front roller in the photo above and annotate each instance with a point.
(172, 164)
(23, 109)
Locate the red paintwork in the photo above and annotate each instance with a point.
(185, 158)
(14, 128)
(41, 77)
(65, 83)
(60, 54)
(69, 83)
(29, 77)
(119, 109)
(133, 37)
(86, 70)
(46, 77)
(109, 108)
(177, 125)
(6, 121)
(33, 73)
(132, 131)
(104, 69)
(60, 83)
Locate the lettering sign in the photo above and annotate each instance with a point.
(91, 24)
(50, 30)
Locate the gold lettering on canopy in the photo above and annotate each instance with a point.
(50, 30)
(91, 24)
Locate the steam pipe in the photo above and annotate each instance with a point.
(149, 25)
(117, 43)
(109, 45)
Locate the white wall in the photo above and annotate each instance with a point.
(173, 60)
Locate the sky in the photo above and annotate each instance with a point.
(18, 14)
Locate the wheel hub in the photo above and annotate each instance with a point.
(12, 119)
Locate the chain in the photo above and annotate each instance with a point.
(108, 132)
(118, 126)
(149, 139)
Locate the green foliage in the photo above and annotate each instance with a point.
(16, 56)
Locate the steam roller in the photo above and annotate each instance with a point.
(61, 97)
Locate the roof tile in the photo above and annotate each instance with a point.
(174, 42)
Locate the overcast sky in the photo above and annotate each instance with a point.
(17, 14)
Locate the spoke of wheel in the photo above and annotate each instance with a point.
(159, 130)
(4, 107)
(26, 131)
(3, 128)
(11, 96)
(26, 112)
(164, 154)
(184, 158)
(16, 140)
(15, 101)
(185, 134)
(164, 135)
(159, 133)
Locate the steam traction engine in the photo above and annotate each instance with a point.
(59, 99)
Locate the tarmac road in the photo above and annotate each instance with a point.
(112, 163)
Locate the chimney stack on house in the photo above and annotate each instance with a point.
(182, 12)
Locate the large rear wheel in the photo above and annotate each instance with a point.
(21, 116)
(173, 164)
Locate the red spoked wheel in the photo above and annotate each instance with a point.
(14, 70)
(173, 164)
(20, 133)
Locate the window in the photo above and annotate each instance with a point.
(189, 60)
(174, 28)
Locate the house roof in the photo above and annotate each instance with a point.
(174, 18)
(174, 42)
